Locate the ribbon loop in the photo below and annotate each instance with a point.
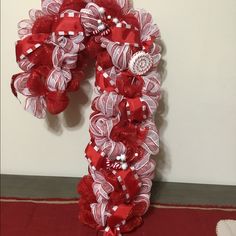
(124, 34)
(29, 44)
(103, 81)
(119, 215)
(95, 156)
(68, 24)
(136, 109)
(129, 181)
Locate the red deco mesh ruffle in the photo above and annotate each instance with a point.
(56, 46)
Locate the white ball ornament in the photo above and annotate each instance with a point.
(115, 20)
(124, 166)
(123, 157)
(101, 10)
(101, 27)
(140, 63)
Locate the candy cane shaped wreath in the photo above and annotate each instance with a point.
(53, 51)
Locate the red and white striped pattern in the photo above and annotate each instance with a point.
(134, 181)
(114, 165)
(126, 26)
(30, 50)
(69, 14)
(106, 77)
(144, 110)
(51, 7)
(122, 183)
(106, 32)
(70, 33)
(99, 154)
(120, 53)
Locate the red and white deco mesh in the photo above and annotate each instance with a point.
(55, 48)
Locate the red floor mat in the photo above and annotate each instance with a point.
(59, 218)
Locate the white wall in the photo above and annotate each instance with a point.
(199, 119)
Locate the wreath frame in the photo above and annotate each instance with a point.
(54, 50)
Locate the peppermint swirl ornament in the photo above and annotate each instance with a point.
(140, 63)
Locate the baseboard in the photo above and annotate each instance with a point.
(162, 192)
